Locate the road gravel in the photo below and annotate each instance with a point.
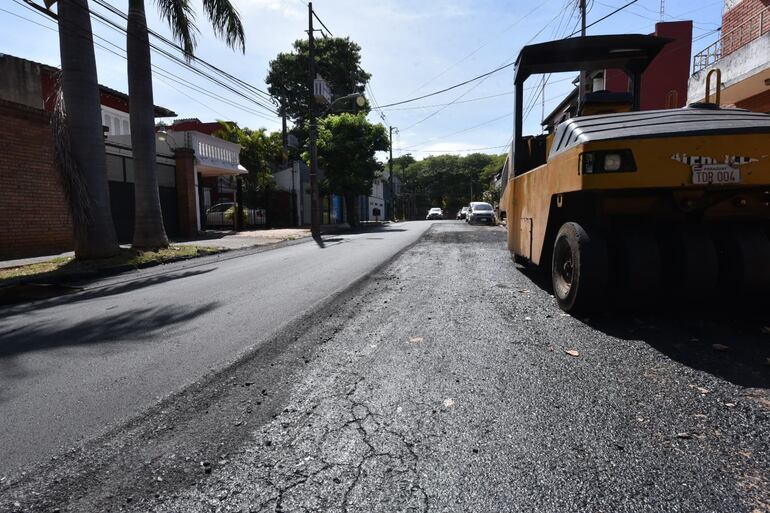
(447, 381)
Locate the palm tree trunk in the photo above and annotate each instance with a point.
(95, 237)
(148, 219)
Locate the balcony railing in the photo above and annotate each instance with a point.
(753, 28)
(706, 57)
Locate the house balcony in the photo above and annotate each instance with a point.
(743, 56)
(213, 156)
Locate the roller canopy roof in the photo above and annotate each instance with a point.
(688, 121)
(629, 52)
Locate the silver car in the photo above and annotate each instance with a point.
(482, 213)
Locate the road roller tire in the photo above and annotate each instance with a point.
(744, 254)
(642, 280)
(579, 269)
(691, 265)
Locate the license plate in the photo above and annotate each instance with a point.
(715, 173)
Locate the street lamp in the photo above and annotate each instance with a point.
(360, 101)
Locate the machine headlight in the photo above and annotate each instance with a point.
(620, 161)
(611, 161)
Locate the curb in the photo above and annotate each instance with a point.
(121, 269)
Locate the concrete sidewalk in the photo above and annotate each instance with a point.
(210, 239)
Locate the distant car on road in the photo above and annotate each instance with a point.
(482, 213)
(462, 213)
(470, 209)
(435, 213)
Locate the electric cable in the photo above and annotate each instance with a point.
(159, 71)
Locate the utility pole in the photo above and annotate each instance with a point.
(392, 190)
(315, 220)
(582, 86)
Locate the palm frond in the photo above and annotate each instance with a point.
(72, 179)
(180, 16)
(226, 22)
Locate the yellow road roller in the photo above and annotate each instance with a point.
(628, 207)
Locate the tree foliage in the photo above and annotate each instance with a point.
(347, 144)
(450, 181)
(338, 61)
(261, 154)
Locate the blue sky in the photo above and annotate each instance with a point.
(411, 48)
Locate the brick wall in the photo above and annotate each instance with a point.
(34, 219)
(743, 23)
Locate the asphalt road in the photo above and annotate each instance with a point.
(73, 367)
(448, 381)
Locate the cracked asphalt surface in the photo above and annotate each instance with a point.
(443, 383)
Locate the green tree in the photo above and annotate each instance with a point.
(338, 61)
(148, 220)
(261, 153)
(94, 231)
(449, 181)
(347, 144)
(488, 178)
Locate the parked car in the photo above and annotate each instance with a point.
(215, 215)
(482, 213)
(435, 213)
(461, 214)
(470, 209)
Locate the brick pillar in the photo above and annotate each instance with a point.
(185, 192)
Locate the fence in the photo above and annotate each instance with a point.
(753, 28)
(220, 219)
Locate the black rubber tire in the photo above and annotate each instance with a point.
(642, 280)
(579, 269)
(744, 254)
(691, 265)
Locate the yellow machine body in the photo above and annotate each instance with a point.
(660, 190)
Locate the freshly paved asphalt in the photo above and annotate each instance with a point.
(72, 367)
(443, 382)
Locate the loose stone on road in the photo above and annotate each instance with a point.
(447, 381)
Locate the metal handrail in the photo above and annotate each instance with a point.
(706, 57)
(753, 28)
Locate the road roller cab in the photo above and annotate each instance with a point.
(627, 207)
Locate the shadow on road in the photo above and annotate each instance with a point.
(136, 324)
(20, 298)
(104, 331)
(727, 340)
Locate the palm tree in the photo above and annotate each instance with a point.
(148, 223)
(94, 232)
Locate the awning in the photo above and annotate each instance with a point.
(208, 170)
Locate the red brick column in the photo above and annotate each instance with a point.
(34, 217)
(185, 192)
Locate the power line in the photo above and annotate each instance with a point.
(315, 15)
(605, 17)
(477, 49)
(180, 61)
(450, 87)
(508, 93)
(482, 77)
(456, 151)
(160, 72)
(176, 46)
(485, 123)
